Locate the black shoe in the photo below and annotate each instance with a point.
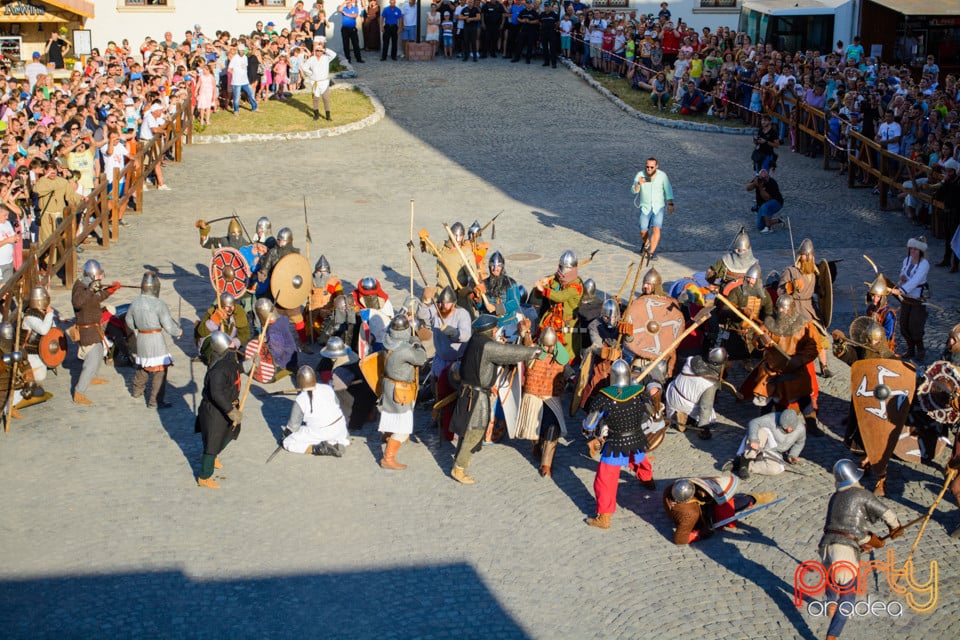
(705, 433)
(384, 58)
(813, 428)
(545, 64)
(328, 116)
(744, 470)
(394, 58)
(316, 114)
(360, 61)
(161, 404)
(515, 60)
(554, 66)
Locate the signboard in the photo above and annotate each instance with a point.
(82, 42)
(603, 4)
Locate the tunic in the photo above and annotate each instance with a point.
(316, 420)
(149, 317)
(221, 393)
(404, 357)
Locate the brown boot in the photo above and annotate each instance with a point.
(596, 447)
(389, 460)
(680, 422)
(546, 460)
(79, 398)
(460, 475)
(216, 463)
(601, 521)
(209, 483)
(763, 498)
(15, 413)
(99, 381)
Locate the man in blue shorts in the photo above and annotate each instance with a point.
(409, 26)
(653, 195)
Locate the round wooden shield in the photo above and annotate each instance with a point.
(657, 322)
(291, 281)
(938, 392)
(825, 293)
(53, 347)
(229, 272)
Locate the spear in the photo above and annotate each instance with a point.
(750, 323)
(306, 224)
(466, 263)
(410, 245)
(698, 320)
(626, 279)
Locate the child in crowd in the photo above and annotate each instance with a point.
(609, 36)
(619, 49)
(280, 77)
(566, 29)
(446, 27)
(696, 68)
(596, 44)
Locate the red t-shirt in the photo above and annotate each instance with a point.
(671, 42)
(608, 39)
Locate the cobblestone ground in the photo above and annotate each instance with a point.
(105, 532)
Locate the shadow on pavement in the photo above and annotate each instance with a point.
(435, 601)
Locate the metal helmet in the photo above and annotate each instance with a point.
(786, 305)
(284, 237)
(340, 303)
(220, 342)
(682, 490)
(7, 331)
(875, 334)
(264, 227)
(652, 278)
(496, 260)
(306, 377)
(92, 269)
(474, 231)
(620, 373)
(846, 473)
(806, 248)
(265, 311)
(548, 337)
(150, 284)
(227, 301)
(610, 312)
(717, 355)
(741, 244)
(322, 266)
(568, 260)
(39, 299)
(400, 325)
(410, 306)
(457, 230)
(335, 348)
(486, 322)
(589, 287)
(879, 287)
(754, 272)
(447, 295)
(234, 229)
(368, 284)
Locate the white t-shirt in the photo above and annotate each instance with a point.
(6, 251)
(34, 69)
(151, 120)
(114, 160)
(410, 15)
(238, 71)
(566, 26)
(889, 131)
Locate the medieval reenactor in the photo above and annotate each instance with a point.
(374, 312)
(316, 425)
(222, 317)
(772, 441)
(283, 248)
(219, 416)
(150, 317)
(543, 382)
(449, 262)
(800, 282)
(692, 393)
(846, 534)
(754, 301)
(325, 290)
(263, 238)
(590, 304)
(401, 370)
(695, 504)
(607, 334)
(233, 239)
(280, 354)
(731, 268)
(497, 284)
(561, 295)
(36, 325)
(478, 373)
(88, 293)
(879, 310)
(340, 323)
(786, 371)
(913, 290)
(619, 411)
(339, 368)
(451, 333)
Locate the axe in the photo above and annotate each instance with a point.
(589, 259)
(750, 323)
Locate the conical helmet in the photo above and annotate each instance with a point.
(682, 490)
(610, 313)
(284, 237)
(264, 228)
(92, 269)
(589, 288)
(227, 301)
(741, 244)
(39, 299)
(458, 231)
(447, 295)
(265, 311)
(548, 337)
(806, 248)
(306, 377)
(620, 373)
(474, 231)
(322, 266)
(754, 272)
(150, 284)
(220, 342)
(652, 278)
(846, 473)
(568, 260)
(496, 260)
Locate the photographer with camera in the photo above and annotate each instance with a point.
(769, 201)
(766, 140)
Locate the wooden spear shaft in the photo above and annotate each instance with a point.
(951, 474)
(750, 323)
(466, 263)
(411, 242)
(698, 320)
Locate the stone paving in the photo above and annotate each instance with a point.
(105, 532)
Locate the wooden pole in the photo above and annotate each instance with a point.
(411, 242)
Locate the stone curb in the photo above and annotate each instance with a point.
(373, 118)
(663, 122)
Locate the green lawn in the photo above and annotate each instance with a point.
(640, 100)
(290, 116)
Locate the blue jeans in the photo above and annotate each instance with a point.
(247, 91)
(767, 210)
(840, 616)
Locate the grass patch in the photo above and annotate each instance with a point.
(293, 115)
(640, 100)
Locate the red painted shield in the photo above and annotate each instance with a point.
(229, 272)
(939, 392)
(53, 347)
(264, 370)
(881, 420)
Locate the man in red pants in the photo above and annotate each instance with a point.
(620, 410)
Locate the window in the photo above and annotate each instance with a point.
(266, 3)
(718, 4)
(146, 3)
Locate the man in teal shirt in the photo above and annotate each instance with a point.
(653, 195)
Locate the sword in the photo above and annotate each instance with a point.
(274, 454)
(743, 514)
(222, 218)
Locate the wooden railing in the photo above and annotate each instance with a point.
(99, 212)
(886, 170)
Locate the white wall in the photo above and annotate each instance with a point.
(691, 13)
